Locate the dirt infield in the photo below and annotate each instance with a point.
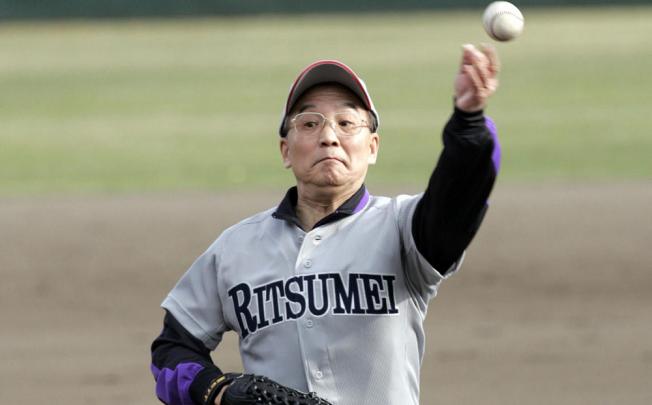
(553, 305)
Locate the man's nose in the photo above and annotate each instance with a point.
(328, 135)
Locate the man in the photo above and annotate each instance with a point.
(329, 290)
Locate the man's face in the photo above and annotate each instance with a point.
(326, 159)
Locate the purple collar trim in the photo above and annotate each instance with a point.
(362, 203)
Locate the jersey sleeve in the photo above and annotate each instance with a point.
(195, 302)
(438, 225)
(422, 277)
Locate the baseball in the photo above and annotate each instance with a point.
(503, 21)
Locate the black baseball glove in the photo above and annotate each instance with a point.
(250, 389)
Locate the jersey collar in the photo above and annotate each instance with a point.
(286, 210)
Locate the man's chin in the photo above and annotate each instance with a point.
(331, 182)
(331, 179)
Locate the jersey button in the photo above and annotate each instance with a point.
(307, 264)
(309, 323)
(318, 374)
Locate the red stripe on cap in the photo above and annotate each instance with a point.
(327, 62)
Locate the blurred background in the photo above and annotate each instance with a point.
(133, 133)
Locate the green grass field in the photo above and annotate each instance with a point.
(131, 106)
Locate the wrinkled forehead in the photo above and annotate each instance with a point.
(330, 95)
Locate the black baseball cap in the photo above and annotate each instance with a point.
(328, 71)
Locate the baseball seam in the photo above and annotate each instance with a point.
(496, 15)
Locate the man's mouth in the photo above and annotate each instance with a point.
(330, 158)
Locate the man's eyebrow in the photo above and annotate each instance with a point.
(350, 105)
(344, 104)
(305, 107)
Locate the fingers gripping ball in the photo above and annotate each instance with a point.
(503, 21)
(249, 389)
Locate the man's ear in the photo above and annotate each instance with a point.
(374, 144)
(285, 152)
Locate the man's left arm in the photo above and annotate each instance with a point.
(452, 208)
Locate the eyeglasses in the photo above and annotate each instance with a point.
(343, 123)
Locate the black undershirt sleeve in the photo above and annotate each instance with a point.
(450, 212)
(175, 353)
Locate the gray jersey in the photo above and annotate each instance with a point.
(338, 310)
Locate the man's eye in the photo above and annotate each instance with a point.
(310, 124)
(345, 124)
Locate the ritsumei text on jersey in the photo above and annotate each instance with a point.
(313, 293)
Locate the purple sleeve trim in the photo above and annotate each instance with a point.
(173, 386)
(362, 203)
(495, 156)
